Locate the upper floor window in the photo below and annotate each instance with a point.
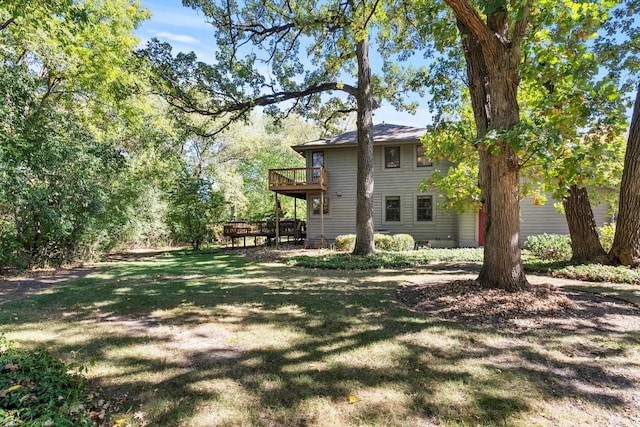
(317, 159)
(421, 159)
(392, 208)
(424, 208)
(391, 157)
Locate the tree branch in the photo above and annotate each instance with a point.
(468, 15)
(521, 24)
(186, 106)
(6, 23)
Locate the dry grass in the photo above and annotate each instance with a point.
(220, 340)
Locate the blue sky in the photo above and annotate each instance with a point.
(186, 30)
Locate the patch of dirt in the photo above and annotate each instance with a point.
(543, 306)
(38, 281)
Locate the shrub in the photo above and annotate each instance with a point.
(333, 260)
(599, 273)
(403, 242)
(38, 389)
(382, 242)
(554, 247)
(607, 232)
(345, 242)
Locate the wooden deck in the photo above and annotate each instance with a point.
(289, 228)
(297, 182)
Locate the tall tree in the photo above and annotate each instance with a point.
(626, 242)
(621, 49)
(507, 45)
(66, 66)
(335, 36)
(492, 49)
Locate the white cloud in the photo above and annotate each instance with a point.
(181, 38)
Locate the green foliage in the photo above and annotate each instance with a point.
(310, 51)
(402, 242)
(383, 242)
(606, 233)
(600, 273)
(243, 155)
(587, 272)
(72, 128)
(345, 242)
(194, 208)
(572, 114)
(388, 259)
(554, 247)
(58, 179)
(38, 389)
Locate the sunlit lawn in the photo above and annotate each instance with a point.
(214, 339)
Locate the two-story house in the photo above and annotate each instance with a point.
(328, 184)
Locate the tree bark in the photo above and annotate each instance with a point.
(364, 202)
(492, 71)
(585, 243)
(626, 242)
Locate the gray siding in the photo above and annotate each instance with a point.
(403, 182)
(468, 230)
(535, 220)
(448, 228)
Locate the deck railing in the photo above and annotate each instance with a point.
(288, 227)
(298, 178)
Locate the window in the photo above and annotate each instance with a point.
(421, 159)
(315, 205)
(424, 208)
(392, 208)
(391, 157)
(317, 160)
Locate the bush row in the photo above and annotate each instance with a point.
(383, 242)
(557, 247)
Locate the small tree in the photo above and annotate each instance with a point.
(194, 207)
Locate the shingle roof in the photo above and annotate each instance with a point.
(381, 133)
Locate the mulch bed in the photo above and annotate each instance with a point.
(541, 306)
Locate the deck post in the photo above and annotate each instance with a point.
(277, 221)
(321, 219)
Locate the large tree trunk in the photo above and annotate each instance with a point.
(364, 203)
(585, 243)
(626, 242)
(492, 70)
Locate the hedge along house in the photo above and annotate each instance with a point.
(328, 184)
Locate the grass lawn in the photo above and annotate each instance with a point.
(217, 339)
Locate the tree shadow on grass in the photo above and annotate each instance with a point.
(243, 343)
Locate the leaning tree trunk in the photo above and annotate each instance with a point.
(585, 243)
(492, 71)
(364, 201)
(626, 242)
